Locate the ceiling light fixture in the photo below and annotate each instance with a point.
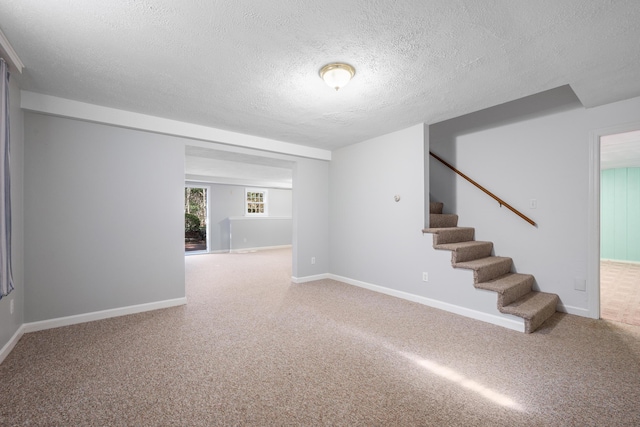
(337, 75)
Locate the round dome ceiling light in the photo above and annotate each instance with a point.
(337, 75)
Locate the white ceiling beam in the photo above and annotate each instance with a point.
(61, 107)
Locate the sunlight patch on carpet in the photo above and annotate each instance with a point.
(461, 380)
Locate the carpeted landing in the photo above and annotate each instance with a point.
(252, 349)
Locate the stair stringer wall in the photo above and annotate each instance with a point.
(397, 271)
(455, 287)
(448, 289)
(535, 148)
(377, 242)
(540, 147)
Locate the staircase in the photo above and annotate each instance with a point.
(492, 273)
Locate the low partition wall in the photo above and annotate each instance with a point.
(259, 232)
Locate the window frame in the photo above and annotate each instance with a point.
(249, 199)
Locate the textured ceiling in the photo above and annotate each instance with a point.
(252, 67)
(621, 150)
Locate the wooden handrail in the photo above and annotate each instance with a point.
(498, 199)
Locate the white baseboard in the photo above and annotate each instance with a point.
(515, 324)
(306, 279)
(578, 311)
(260, 248)
(11, 344)
(85, 317)
(191, 253)
(221, 251)
(99, 315)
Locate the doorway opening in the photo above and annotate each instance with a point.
(196, 209)
(619, 177)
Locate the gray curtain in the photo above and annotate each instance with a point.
(6, 275)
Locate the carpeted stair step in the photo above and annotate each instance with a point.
(467, 251)
(450, 235)
(443, 220)
(509, 287)
(435, 207)
(485, 269)
(534, 308)
(492, 273)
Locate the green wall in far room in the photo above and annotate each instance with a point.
(620, 214)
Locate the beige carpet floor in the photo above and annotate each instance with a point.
(620, 292)
(252, 349)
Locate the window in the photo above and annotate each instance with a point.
(255, 202)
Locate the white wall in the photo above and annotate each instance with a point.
(533, 148)
(10, 323)
(103, 217)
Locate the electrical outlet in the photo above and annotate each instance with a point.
(425, 277)
(11, 306)
(313, 260)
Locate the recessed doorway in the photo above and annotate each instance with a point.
(620, 227)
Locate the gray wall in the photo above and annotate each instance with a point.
(103, 217)
(280, 203)
(533, 148)
(224, 201)
(9, 323)
(100, 220)
(250, 233)
(228, 201)
(375, 239)
(378, 241)
(310, 218)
